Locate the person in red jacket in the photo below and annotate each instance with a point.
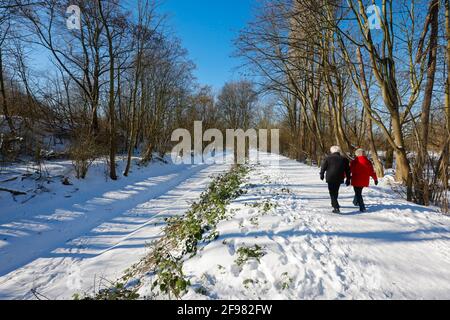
(362, 170)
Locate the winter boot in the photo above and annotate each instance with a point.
(362, 206)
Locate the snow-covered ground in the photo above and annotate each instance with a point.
(396, 250)
(70, 239)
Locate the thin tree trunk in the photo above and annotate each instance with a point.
(133, 130)
(95, 128)
(373, 149)
(111, 103)
(445, 158)
(369, 123)
(389, 163)
(112, 119)
(4, 99)
(422, 188)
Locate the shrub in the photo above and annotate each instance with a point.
(117, 292)
(181, 236)
(247, 253)
(10, 146)
(83, 152)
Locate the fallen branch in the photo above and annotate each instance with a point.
(9, 180)
(14, 192)
(25, 201)
(38, 295)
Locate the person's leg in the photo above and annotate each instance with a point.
(338, 186)
(331, 191)
(334, 194)
(362, 205)
(359, 196)
(356, 199)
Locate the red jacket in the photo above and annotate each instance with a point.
(362, 170)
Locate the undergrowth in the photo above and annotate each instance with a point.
(248, 253)
(181, 238)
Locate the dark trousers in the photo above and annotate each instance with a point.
(334, 194)
(359, 201)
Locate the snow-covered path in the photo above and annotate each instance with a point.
(61, 246)
(70, 245)
(397, 250)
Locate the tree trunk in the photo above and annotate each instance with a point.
(148, 154)
(4, 99)
(389, 163)
(402, 169)
(422, 188)
(94, 121)
(95, 128)
(133, 126)
(368, 120)
(444, 172)
(111, 103)
(373, 148)
(112, 119)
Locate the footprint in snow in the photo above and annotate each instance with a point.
(283, 259)
(231, 247)
(275, 226)
(235, 270)
(252, 265)
(282, 240)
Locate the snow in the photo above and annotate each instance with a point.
(396, 250)
(60, 246)
(73, 239)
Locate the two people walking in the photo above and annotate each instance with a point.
(336, 169)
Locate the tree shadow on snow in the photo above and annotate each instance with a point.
(418, 235)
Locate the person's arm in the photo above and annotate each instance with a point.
(348, 172)
(373, 173)
(323, 168)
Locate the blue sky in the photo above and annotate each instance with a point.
(207, 29)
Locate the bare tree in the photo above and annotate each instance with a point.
(422, 188)
(106, 17)
(167, 77)
(4, 27)
(85, 66)
(145, 28)
(236, 104)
